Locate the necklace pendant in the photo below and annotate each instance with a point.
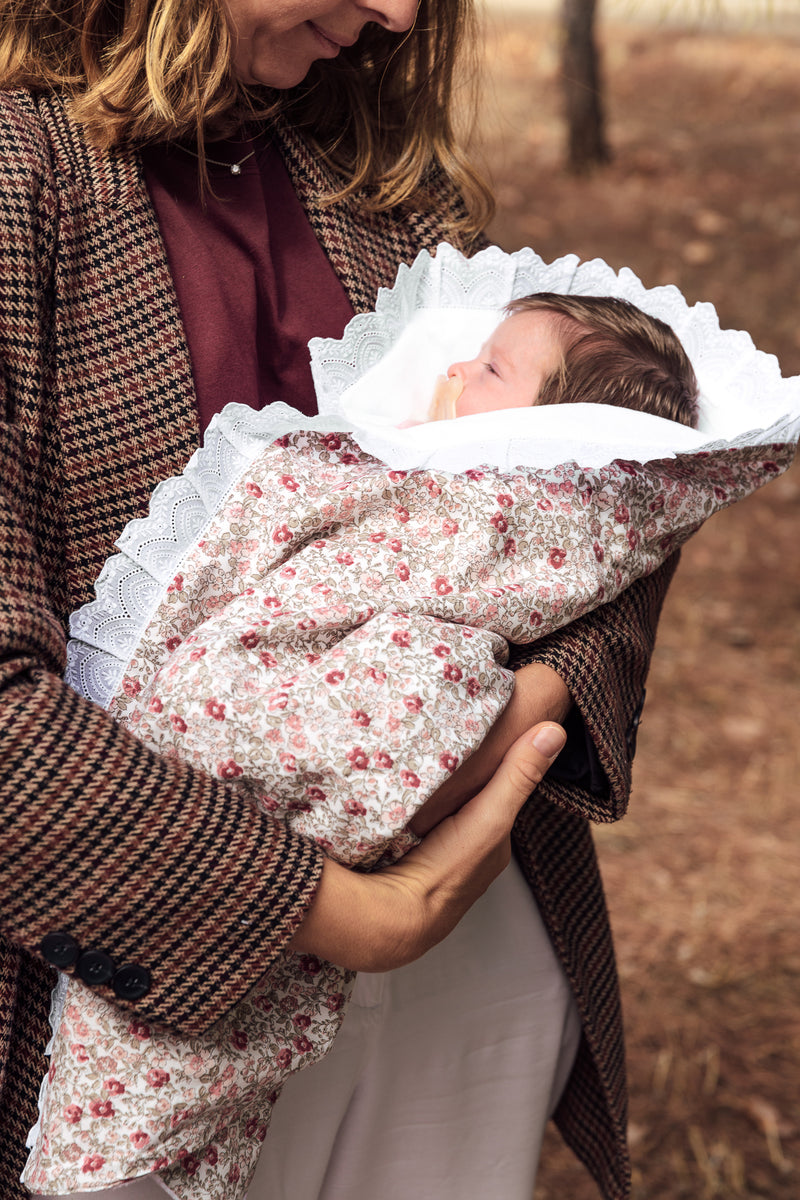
(236, 169)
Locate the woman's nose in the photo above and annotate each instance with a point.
(395, 15)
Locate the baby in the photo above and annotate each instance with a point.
(554, 349)
(335, 642)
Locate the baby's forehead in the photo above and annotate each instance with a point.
(530, 317)
(525, 324)
(559, 328)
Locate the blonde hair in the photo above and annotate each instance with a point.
(140, 71)
(613, 353)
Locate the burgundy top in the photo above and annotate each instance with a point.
(253, 282)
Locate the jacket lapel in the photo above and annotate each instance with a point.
(126, 414)
(364, 248)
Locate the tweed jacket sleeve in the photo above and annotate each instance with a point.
(604, 659)
(131, 855)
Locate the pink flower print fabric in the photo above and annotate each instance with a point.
(343, 721)
(124, 1098)
(335, 644)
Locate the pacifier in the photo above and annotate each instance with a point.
(446, 392)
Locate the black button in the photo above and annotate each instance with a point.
(633, 728)
(95, 967)
(131, 982)
(60, 949)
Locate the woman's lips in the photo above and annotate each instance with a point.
(332, 42)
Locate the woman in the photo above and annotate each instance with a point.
(130, 295)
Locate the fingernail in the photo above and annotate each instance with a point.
(550, 740)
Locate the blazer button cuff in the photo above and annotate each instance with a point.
(60, 949)
(95, 967)
(131, 982)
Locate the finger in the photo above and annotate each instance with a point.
(477, 836)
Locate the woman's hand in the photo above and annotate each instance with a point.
(539, 695)
(384, 920)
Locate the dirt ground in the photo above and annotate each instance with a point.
(702, 877)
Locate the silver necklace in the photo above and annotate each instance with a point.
(235, 168)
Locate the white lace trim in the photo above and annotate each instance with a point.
(105, 631)
(57, 999)
(742, 388)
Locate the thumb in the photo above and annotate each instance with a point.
(523, 767)
(457, 861)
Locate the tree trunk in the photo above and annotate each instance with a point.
(583, 101)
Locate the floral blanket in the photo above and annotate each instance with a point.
(335, 643)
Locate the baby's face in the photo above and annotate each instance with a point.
(511, 367)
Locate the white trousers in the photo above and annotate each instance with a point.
(441, 1080)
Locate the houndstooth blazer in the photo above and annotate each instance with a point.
(141, 857)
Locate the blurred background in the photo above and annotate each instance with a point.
(687, 170)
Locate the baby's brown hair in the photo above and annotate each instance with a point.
(613, 353)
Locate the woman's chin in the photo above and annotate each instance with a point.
(254, 73)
